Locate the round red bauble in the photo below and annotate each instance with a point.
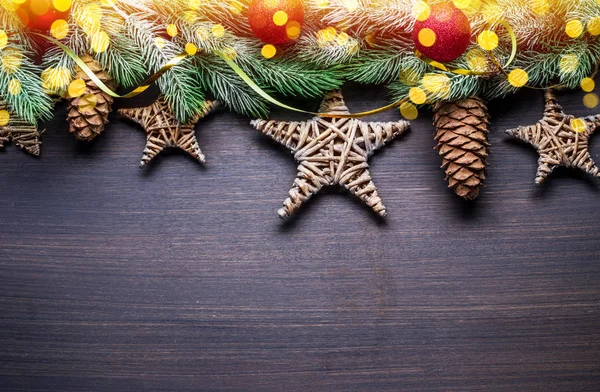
(276, 21)
(444, 35)
(40, 14)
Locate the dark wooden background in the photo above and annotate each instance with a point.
(182, 277)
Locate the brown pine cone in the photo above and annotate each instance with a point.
(462, 134)
(88, 113)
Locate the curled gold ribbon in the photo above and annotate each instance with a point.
(137, 91)
(179, 58)
(244, 76)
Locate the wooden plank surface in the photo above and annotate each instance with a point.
(182, 277)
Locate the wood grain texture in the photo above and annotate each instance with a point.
(182, 277)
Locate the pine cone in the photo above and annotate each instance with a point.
(86, 117)
(462, 136)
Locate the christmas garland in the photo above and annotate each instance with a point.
(248, 55)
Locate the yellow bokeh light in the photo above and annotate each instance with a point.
(588, 85)
(463, 4)
(39, 7)
(87, 103)
(100, 42)
(191, 49)
(409, 77)
(235, 7)
(89, 18)
(4, 118)
(59, 29)
(593, 26)
(218, 30)
(77, 88)
(568, 63)
(492, 12)
(477, 60)
(438, 84)
(427, 37)
(331, 32)
(409, 111)
(574, 28)
(488, 40)
(471, 7)
(12, 60)
(421, 11)
(172, 30)
(578, 125)
(268, 51)
(8, 5)
(540, 7)
(417, 95)
(591, 100)
(518, 77)
(342, 39)
(3, 39)
(280, 18)
(61, 5)
(326, 35)
(14, 87)
(54, 79)
(293, 30)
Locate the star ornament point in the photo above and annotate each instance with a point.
(560, 140)
(332, 151)
(163, 130)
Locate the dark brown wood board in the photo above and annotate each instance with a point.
(181, 277)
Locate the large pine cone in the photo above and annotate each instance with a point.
(88, 113)
(462, 136)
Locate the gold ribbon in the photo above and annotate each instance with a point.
(244, 76)
(179, 58)
(137, 91)
(442, 67)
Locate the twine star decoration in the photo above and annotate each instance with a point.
(560, 139)
(19, 131)
(163, 130)
(332, 151)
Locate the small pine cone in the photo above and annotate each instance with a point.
(88, 113)
(462, 134)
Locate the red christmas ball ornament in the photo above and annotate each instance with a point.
(40, 14)
(442, 32)
(276, 22)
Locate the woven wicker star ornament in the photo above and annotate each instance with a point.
(332, 151)
(163, 130)
(19, 131)
(560, 139)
